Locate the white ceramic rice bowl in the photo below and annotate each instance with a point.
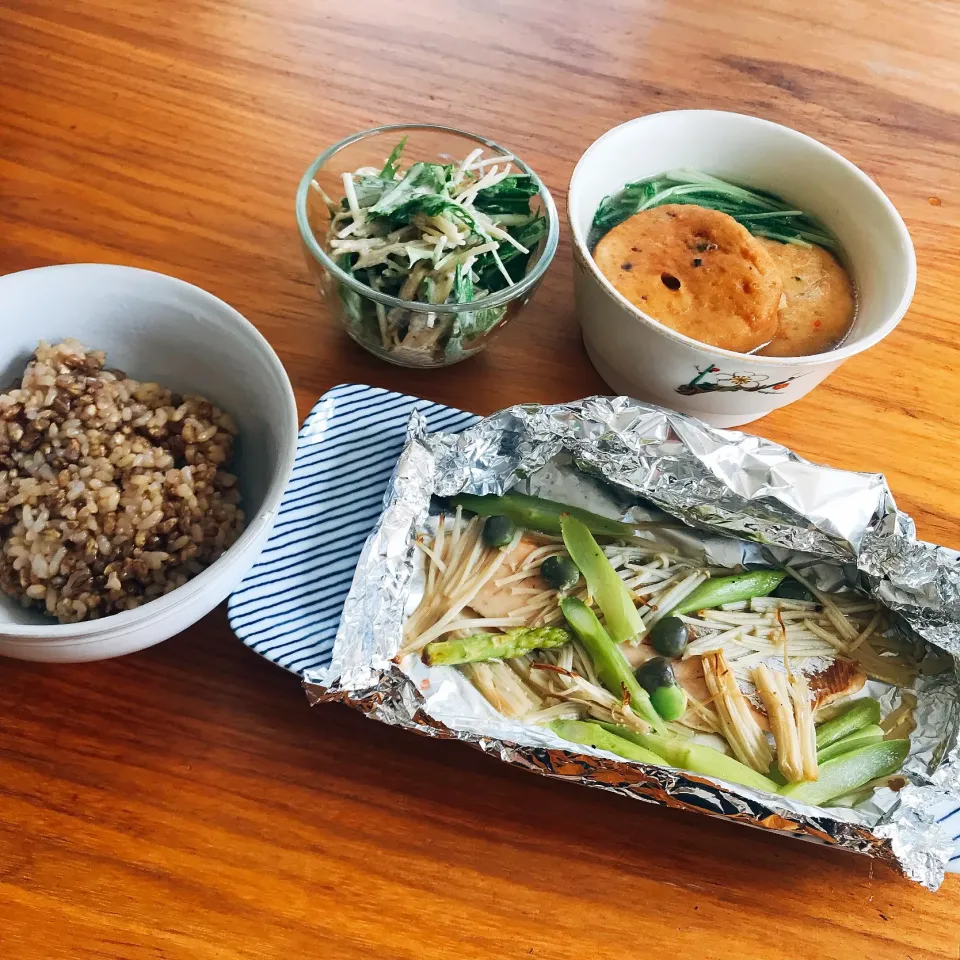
(157, 328)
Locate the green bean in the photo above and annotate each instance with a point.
(717, 591)
(850, 770)
(695, 757)
(535, 513)
(605, 586)
(611, 665)
(494, 646)
(860, 714)
(593, 735)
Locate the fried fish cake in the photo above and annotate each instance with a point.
(819, 300)
(697, 271)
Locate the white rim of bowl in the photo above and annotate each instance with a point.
(162, 607)
(841, 353)
(498, 299)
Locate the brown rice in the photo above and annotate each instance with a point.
(112, 492)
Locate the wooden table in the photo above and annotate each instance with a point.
(185, 802)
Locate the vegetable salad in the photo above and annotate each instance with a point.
(432, 233)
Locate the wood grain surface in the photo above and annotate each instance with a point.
(185, 802)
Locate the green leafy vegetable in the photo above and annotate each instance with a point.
(389, 171)
(510, 195)
(763, 214)
(368, 190)
(528, 235)
(421, 180)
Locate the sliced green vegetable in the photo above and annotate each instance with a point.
(389, 171)
(872, 733)
(593, 735)
(610, 592)
(696, 757)
(849, 771)
(535, 513)
(859, 715)
(862, 738)
(494, 646)
(720, 590)
(611, 665)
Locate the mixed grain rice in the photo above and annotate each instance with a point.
(112, 492)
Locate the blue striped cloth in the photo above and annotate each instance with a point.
(288, 607)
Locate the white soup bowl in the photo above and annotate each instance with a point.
(642, 358)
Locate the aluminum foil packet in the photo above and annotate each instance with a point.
(744, 501)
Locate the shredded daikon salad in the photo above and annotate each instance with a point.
(767, 665)
(436, 234)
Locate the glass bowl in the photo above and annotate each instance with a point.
(407, 332)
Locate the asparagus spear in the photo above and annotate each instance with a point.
(605, 586)
(535, 513)
(695, 757)
(593, 735)
(611, 666)
(720, 590)
(494, 646)
(850, 770)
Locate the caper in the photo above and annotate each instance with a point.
(655, 673)
(670, 702)
(790, 589)
(560, 572)
(498, 531)
(669, 637)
